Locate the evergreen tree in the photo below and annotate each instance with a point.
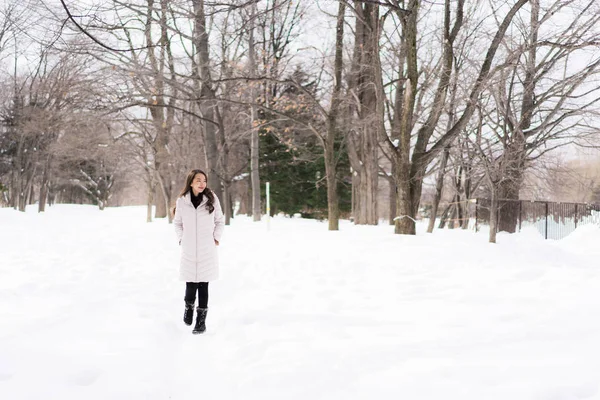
(291, 158)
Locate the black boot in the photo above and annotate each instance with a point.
(200, 321)
(188, 315)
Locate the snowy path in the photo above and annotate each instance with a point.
(90, 308)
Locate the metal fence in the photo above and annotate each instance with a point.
(552, 220)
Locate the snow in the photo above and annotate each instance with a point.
(90, 308)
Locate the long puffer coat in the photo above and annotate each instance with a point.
(197, 231)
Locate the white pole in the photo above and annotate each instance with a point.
(268, 207)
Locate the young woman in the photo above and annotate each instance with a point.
(199, 226)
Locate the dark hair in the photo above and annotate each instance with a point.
(210, 204)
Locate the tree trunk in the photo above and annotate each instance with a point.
(208, 103)
(333, 210)
(468, 168)
(164, 198)
(494, 215)
(405, 223)
(43, 196)
(160, 209)
(363, 82)
(243, 210)
(255, 176)
(226, 176)
(26, 187)
(444, 216)
(249, 198)
(227, 202)
(254, 141)
(367, 189)
(509, 190)
(44, 185)
(356, 205)
(392, 199)
(51, 194)
(31, 195)
(439, 186)
(156, 99)
(510, 186)
(150, 197)
(15, 188)
(460, 211)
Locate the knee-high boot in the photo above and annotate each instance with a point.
(188, 315)
(200, 321)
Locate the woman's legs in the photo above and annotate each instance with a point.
(190, 292)
(202, 294)
(190, 299)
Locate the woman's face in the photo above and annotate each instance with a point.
(198, 183)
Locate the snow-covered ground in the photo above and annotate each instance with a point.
(91, 308)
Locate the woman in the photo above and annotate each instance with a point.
(199, 226)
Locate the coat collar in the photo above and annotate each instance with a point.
(188, 198)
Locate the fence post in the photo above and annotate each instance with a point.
(546, 236)
(576, 206)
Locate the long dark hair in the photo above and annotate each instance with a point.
(210, 204)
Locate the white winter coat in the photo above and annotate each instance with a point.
(197, 230)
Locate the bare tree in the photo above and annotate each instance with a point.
(495, 163)
(45, 103)
(543, 100)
